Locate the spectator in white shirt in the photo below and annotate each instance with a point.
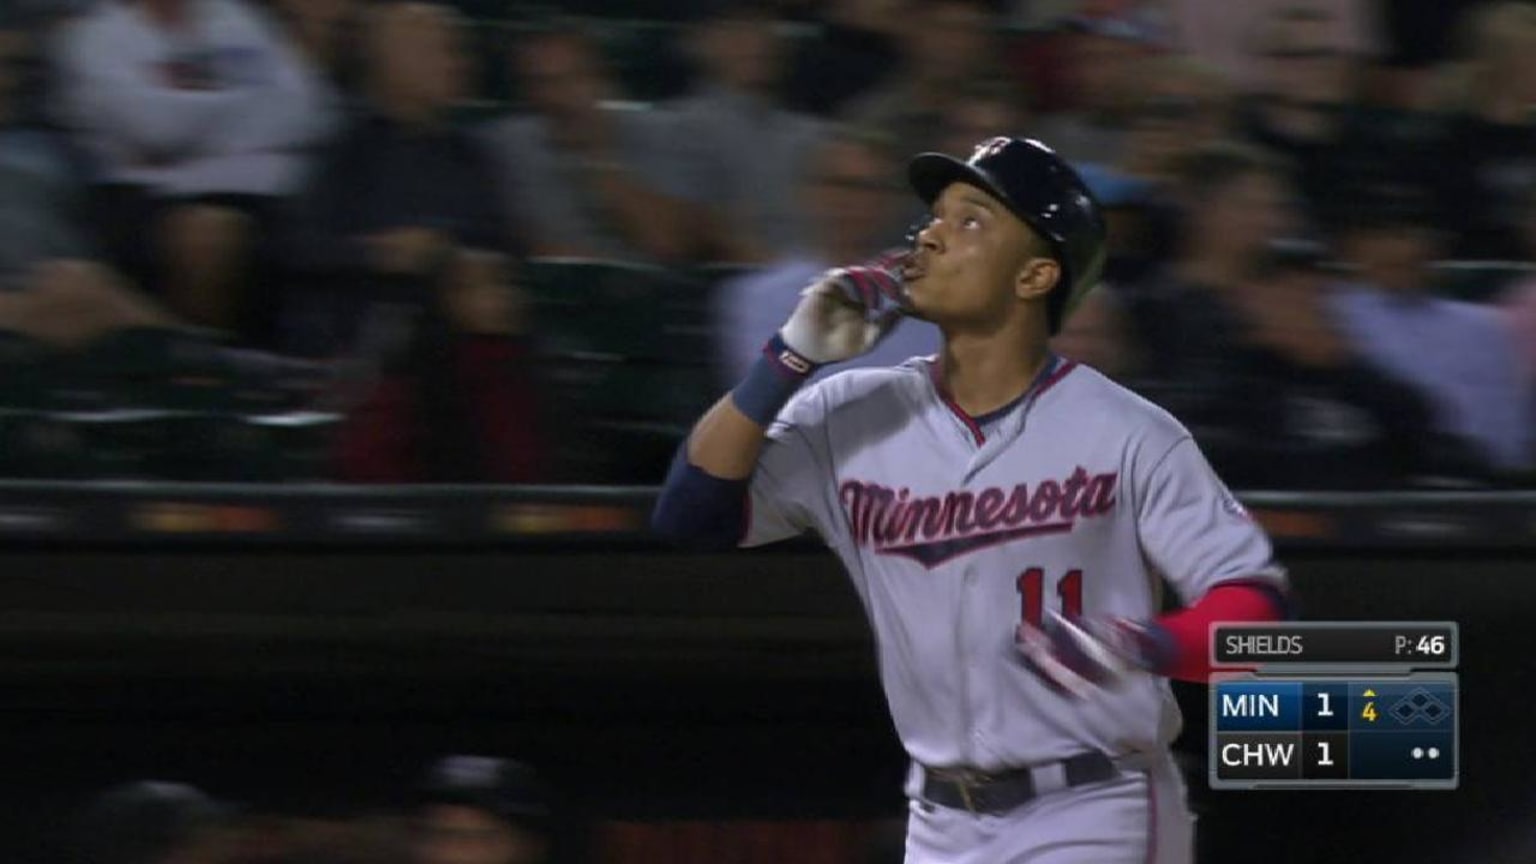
(851, 186)
(1458, 355)
(196, 115)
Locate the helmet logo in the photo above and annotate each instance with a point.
(990, 147)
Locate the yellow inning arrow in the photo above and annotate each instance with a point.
(1369, 694)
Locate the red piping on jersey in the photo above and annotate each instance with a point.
(1060, 373)
(954, 408)
(969, 421)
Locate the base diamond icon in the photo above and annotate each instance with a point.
(1420, 704)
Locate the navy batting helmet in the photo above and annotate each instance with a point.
(1040, 188)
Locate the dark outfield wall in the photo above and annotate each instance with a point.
(646, 685)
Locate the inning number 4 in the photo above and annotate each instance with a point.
(1069, 590)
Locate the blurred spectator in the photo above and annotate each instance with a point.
(1184, 106)
(320, 32)
(857, 47)
(1489, 158)
(1311, 107)
(743, 152)
(1246, 353)
(848, 192)
(1100, 59)
(582, 176)
(50, 290)
(1301, 98)
(194, 114)
(1519, 306)
(453, 400)
(1150, 17)
(981, 110)
(1232, 201)
(1098, 334)
(1418, 37)
(946, 44)
(481, 810)
(40, 194)
(69, 304)
(1139, 223)
(1458, 355)
(150, 822)
(400, 229)
(1221, 33)
(404, 188)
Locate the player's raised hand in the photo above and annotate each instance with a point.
(1082, 656)
(847, 311)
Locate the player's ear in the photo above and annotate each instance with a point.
(1036, 277)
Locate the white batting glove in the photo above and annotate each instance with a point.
(847, 312)
(1081, 657)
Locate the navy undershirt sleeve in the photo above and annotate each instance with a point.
(698, 509)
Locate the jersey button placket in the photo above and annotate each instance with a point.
(970, 667)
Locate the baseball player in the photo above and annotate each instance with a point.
(1007, 517)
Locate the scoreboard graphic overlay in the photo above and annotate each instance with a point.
(1358, 705)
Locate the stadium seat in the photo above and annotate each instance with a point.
(627, 372)
(1479, 281)
(34, 444)
(608, 307)
(162, 404)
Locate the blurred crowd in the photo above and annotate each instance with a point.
(407, 241)
(466, 809)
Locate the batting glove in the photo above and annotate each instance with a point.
(1082, 657)
(847, 312)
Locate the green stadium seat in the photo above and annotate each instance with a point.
(33, 443)
(606, 307)
(162, 404)
(626, 372)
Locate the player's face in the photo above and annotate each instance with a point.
(975, 261)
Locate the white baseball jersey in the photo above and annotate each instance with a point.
(1078, 498)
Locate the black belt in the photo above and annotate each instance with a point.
(978, 792)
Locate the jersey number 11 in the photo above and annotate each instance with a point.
(1069, 590)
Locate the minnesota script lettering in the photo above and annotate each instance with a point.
(934, 529)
